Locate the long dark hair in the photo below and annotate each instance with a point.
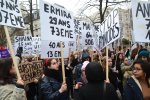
(146, 69)
(5, 66)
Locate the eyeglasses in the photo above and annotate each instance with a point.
(54, 63)
(136, 69)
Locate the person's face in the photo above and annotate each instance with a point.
(137, 71)
(121, 56)
(109, 62)
(54, 64)
(126, 61)
(144, 58)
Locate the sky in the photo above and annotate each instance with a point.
(71, 5)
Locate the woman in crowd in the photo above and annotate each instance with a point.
(9, 88)
(50, 85)
(138, 86)
(96, 89)
(126, 69)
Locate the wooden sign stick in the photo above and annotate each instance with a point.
(11, 51)
(62, 62)
(107, 69)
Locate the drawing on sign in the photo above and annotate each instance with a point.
(10, 13)
(31, 70)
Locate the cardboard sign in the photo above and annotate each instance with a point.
(52, 49)
(56, 22)
(141, 21)
(10, 14)
(109, 29)
(31, 70)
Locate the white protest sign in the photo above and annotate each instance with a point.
(72, 45)
(97, 34)
(25, 42)
(109, 29)
(141, 21)
(78, 28)
(56, 22)
(10, 14)
(36, 45)
(52, 49)
(87, 34)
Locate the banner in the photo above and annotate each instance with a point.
(10, 14)
(141, 21)
(109, 29)
(52, 49)
(56, 22)
(31, 70)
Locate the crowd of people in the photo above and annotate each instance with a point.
(85, 73)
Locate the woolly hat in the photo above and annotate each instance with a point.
(84, 65)
(144, 53)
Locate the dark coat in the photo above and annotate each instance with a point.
(132, 91)
(49, 88)
(96, 91)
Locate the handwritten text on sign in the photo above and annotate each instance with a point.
(31, 70)
(110, 29)
(141, 21)
(56, 22)
(52, 49)
(10, 13)
(87, 34)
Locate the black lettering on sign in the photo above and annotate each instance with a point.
(86, 26)
(88, 35)
(148, 24)
(54, 53)
(53, 20)
(57, 54)
(96, 27)
(57, 11)
(50, 53)
(144, 9)
(52, 45)
(31, 70)
(2, 3)
(61, 32)
(5, 15)
(89, 42)
(64, 23)
(148, 34)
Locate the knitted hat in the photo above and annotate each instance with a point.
(144, 53)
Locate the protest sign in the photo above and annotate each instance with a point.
(31, 45)
(25, 42)
(141, 21)
(10, 14)
(52, 49)
(56, 22)
(31, 70)
(109, 29)
(87, 34)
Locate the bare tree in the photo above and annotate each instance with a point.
(101, 6)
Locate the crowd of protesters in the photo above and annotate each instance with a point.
(129, 77)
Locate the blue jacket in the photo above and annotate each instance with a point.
(132, 90)
(49, 89)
